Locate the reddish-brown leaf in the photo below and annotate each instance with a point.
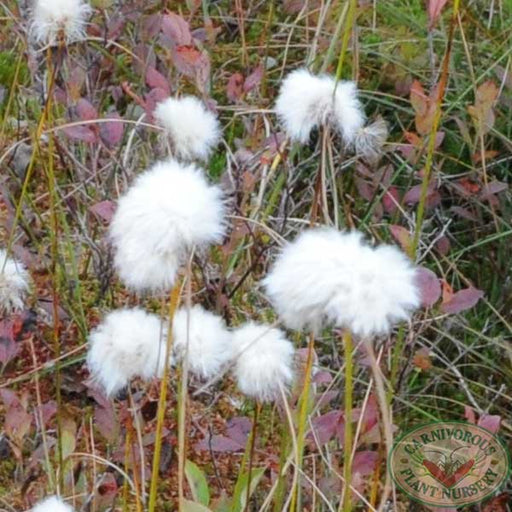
(498, 503)
(235, 87)
(391, 200)
(422, 359)
(492, 188)
(254, 79)
(85, 110)
(402, 236)
(462, 300)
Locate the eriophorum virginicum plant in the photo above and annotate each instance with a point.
(14, 283)
(52, 504)
(330, 278)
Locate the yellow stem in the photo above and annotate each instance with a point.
(346, 502)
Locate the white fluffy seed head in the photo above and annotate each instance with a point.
(50, 18)
(330, 277)
(52, 504)
(192, 129)
(14, 283)
(209, 341)
(263, 361)
(169, 209)
(307, 101)
(369, 141)
(128, 343)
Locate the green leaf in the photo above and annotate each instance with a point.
(197, 482)
(240, 496)
(192, 506)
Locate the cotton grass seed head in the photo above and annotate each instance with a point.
(209, 341)
(52, 504)
(308, 101)
(369, 141)
(53, 18)
(14, 283)
(128, 343)
(193, 130)
(331, 277)
(170, 209)
(263, 360)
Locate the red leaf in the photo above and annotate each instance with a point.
(498, 503)
(154, 97)
(443, 245)
(85, 111)
(177, 29)
(104, 210)
(111, 133)
(254, 79)
(464, 213)
(469, 414)
(434, 11)
(413, 195)
(402, 236)
(106, 421)
(155, 79)
(462, 300)
(81, 133)
(429, 285)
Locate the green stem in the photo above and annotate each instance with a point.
(346, 504)
(175, 295)
(303, 414)
(352, 6)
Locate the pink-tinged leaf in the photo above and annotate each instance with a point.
(402, 236)
(419, 100)
(254, 79)
(151, 25)
(48, 411)
(235, 87)
(106, 422)
(104, 210)
(464, 213)
(176, 29)
(155, 79)
(469, 414)
(219, 443)
(115, 26)
(429, 285)
(187, 59)
(85, 111)
(238, 428)
(462, 300)
(391, 200)
(325, 427)
(494, 187)
(8, 346)
(9, 398)
(80, 133)
(413, 195)
(202, 73)
(365, 189)
(112, 132)
(443, 245)
(365, 462)
(490, 422)
(152, 99)
(322, 377)
(106, 491)
(434, 11)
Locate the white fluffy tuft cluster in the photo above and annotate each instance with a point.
(209, 341)
(327, 276)
(263, 361)
(169, 209)
(52, 504)
(307, 101)
(128, 343)
(50, 18)
(192, 129)
(14, 283)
